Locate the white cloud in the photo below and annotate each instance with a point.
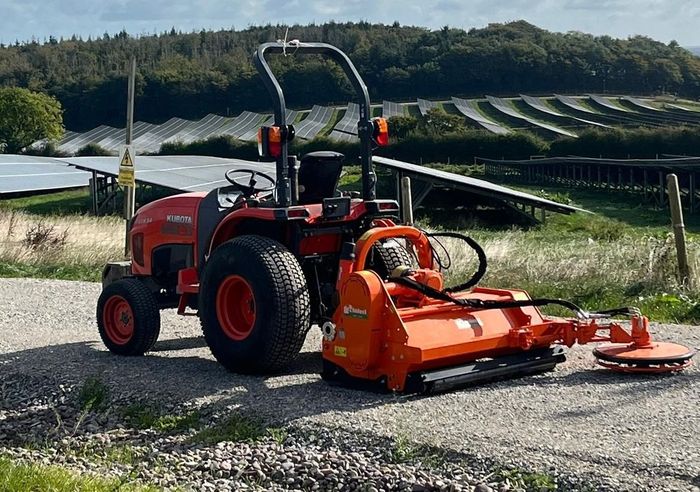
(661, 19)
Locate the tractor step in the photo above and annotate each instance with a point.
(481, 371)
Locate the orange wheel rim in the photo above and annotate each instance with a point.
(118, 320)
(235, 307)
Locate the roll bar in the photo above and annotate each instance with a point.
(287, 170)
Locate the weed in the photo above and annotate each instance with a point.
(236, 428)
(405, 450)
(93, 395)
(530, 481)
(149, 417)
(278, 434)
(45, 237)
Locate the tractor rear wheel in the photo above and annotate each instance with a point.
(387, 256)
(128, 318)
(254, 305)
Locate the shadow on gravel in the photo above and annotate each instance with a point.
(174, 373)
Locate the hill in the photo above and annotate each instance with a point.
(192, 74)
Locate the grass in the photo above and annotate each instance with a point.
(238, 428)
(93, 395)
(404, 450)
(530, 481)
(19, 477)
(74, 247)
(59, 203)
(150, 417)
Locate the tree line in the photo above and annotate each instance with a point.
(192, 74)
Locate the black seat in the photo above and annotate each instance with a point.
(319, 173)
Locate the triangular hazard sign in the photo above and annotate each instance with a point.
(126, 159)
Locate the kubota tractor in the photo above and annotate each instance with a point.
(281, 250)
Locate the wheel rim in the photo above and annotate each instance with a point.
(118, 320)
(235, 307)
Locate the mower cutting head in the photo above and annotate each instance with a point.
(655, 357)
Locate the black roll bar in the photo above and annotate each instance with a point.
(285, 197)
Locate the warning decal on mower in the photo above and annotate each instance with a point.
(340, 351)
(353, 312)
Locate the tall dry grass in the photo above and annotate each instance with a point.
(66, 241)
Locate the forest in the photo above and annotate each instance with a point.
(192, 74)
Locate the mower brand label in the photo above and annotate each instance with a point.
(353, 312)
(179, 219)
(340, 351)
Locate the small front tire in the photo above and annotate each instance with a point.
(128, 317)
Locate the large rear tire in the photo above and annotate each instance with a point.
(254, 305)
(128, 318)
(387, 256)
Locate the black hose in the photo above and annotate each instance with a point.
(482, 305)
(483, 262)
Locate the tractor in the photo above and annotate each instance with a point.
(280, 250)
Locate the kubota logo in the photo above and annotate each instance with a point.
(179, 219)
(353, 312)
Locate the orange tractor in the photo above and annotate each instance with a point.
(281, 250)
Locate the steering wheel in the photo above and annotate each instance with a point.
(251, 187)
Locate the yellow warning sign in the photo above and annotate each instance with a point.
(127, 176)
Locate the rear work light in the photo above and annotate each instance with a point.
(380, 133)
(270, 139)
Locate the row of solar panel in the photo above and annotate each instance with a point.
(148, 137)
(199, 173)
(579, 114)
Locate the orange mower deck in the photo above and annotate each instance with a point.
(388, 333)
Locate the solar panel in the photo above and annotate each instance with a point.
(390, 109)
(152, 140)
(348, 123)
(342, 136)
(468, 109)
(197, 129)
(574, 104)
(21, 173)
(607, 103)
(641, 103)
(682, 108)
(113, 142)
(537, 104)
(473, 185)
(505, 108)
(424, 106)
(184, 173)
(77, 143)
(315, 121)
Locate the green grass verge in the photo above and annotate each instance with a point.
(59, 203)
(58, 271)
(19, 477)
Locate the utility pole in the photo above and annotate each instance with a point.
(130, 184)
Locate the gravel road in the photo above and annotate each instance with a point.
(579, 423)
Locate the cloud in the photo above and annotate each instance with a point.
(661, 19)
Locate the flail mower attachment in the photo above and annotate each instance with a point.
(409, 333)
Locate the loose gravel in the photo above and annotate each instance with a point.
(585, 428)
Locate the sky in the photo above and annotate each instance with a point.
(660, 19)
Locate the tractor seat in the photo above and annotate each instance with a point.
(319, 173)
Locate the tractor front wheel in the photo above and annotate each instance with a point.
(254, 305)
(128, 318)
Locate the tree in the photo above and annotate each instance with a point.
(26, 117)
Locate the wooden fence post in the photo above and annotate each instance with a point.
(674, 201)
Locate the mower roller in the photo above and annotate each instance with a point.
(281, 250)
